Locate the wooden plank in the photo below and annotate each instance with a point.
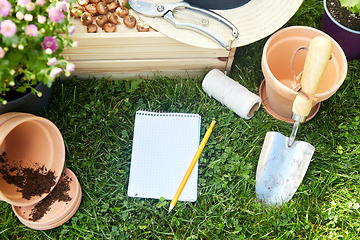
(141, 52)
(230, 60)
(120, 38)
(138, 75)
(123, 69)
(147, 65)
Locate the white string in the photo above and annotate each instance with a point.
(230, 93)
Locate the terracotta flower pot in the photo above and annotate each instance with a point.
(28, 141)
(277, 93)
(347, 38)
(30, 103)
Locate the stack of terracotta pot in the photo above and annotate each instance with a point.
(28, 141)
(276, 91)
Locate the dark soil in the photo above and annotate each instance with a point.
(14, 95)
(3, 157)
(31, 181)
(343, 15)
(59, 193)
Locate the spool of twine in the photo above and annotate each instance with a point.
(231, 94)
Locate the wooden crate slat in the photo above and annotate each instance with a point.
(139, 52)
(146, 65)
(138, 75)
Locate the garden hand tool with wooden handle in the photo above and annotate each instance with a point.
(166, 11)
(283, 161)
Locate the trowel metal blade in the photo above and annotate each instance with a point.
(281, 169)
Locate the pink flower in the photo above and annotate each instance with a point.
(5, 8)
(48, 51)
(70, 67)
(28, 17)
(56, 15)
(62, 6)
(40, 2)
(71, 30)
(49, 42)
(31, 30)
(7, 28)
(2, 52)
(52, 61)
(30, 6)
(54, 72)
(41, 19)
(23, 3)
(20, 15)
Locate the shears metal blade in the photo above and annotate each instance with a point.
(166, 11)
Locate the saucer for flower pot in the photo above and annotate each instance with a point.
(59, 223)
(54, 210)
(271, 112)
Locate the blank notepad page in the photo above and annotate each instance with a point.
(164, 145)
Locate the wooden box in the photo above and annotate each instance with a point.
(129, 54)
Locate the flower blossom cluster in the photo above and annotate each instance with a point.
(36, 32)
(8, 27)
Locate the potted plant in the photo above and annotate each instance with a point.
(33, 34)
(341, 21)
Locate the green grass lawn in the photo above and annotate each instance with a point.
(96, 118)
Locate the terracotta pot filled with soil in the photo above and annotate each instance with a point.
(344, 26)
(32, 156)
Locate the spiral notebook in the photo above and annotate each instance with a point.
(164, 145)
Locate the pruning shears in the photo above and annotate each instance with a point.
(167, 10)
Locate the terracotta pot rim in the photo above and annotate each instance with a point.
(282, 86)
(24, 118)
(338, 24)
(21, 118)
(12, 115)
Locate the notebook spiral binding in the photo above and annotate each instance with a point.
(164, 114)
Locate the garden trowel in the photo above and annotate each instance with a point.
(283, 161)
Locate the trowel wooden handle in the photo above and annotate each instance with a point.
(316, 61)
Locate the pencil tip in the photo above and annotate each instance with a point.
(170, 208)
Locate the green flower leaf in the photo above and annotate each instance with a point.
(349, 3)
(11, 40)
(352, 5)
